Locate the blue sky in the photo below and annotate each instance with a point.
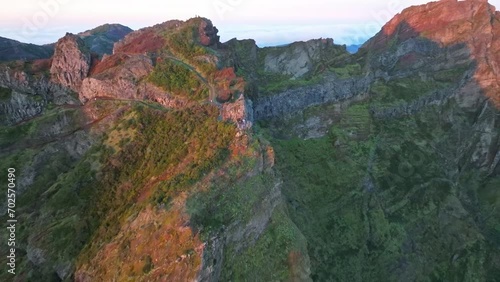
(268, 22)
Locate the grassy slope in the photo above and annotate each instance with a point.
(57, 204)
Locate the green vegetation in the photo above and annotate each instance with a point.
(184, 42)
(403, 90)
(178, 79)
(244, 50)
(36, 130)
(370, 192)
(333, 58)
(229, 199)
(184, 45)
(234, 202)
(80, 204)
(169, 153)
(372, 200)
(10, 135)
(392, 44)
(272, 83)
(5, 94)
(321, 185)
(347, 70)
(322, 179)
(47, 202)
(185, 67)
(356, 121)
(49, 222)
(270, 258)
(450, 75)
(407, 89)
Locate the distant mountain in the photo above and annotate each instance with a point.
(101, 39)
(14, 50)
(353, 48)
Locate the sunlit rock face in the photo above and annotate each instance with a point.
(71, 62)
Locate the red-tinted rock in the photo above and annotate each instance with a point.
(208, 33)
(449, 22)
(71, 62)
(227, 84)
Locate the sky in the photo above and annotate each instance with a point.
(268, 22)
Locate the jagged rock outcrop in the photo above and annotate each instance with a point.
(28, 96)
(296, 59)
(71, 62)
(208, 33)
(474, 23)
(447, 35)
(20, 107)
(243, 236)
(127, 82)
(243, 54)
(119, 81)
(407, 48)
(241, 109)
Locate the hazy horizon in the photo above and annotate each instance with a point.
(45, 21)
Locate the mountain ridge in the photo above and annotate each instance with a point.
(185, 158)
(100, 40)
(12, 50)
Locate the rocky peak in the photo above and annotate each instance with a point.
(473, 23)
(71, 62)
(446, 22)
(208, 33)
(299, 58)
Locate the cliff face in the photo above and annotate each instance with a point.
(207, 33)
(185, 158)
(118, 80)
(297, 59)
(71, 62)
(28, 96)
(33, 85)
(448, 23)
(293, 101)
(403, 147)
(444, 54)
